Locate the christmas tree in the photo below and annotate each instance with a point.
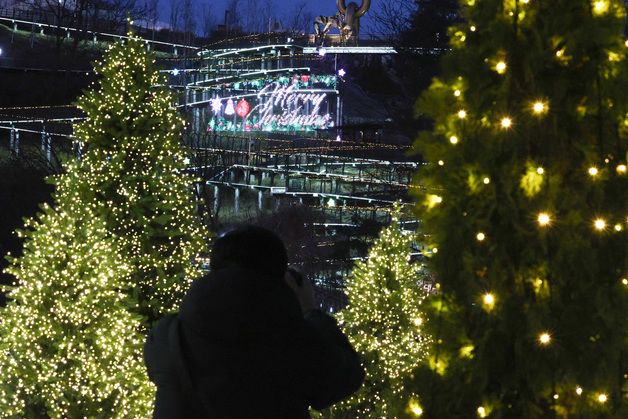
(525, 202)
(70, 347)
(114, 252)
(384, 321)
(135, 166)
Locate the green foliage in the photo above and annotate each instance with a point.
(70, 347)
(135, 165)
(383, 322)
(537, 167)
(114, 252)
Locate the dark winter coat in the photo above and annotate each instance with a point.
(249, 353)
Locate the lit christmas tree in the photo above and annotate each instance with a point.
(135, 165)
(525, 202)
(70, 347)
(116, 251)
(383, 322)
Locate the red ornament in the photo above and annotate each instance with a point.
(243, 108)
(305, 78)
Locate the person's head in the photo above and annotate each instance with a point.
(250, 247)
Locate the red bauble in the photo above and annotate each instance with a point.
(243, 108)
(305, 78)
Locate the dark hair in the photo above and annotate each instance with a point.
(250, 247)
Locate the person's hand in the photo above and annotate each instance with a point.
(302, 288)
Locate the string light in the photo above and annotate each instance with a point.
(462, 114)
(481, 411)
(506, 122)
(600, 7)
(599, 224)
(618, 227)
(488, 300)
(544, 219)
(579, 391)
(602, 398)
(540, 170)
(457, 93)
(556, 397)
(415, 408)
(500, 67)
(624, 281)
(593, 171)
(480, 236)
(441, 163)
(473, 28)
(539, 107)
(544, 338)
(486, 180)
(621, 169)
(453, 139)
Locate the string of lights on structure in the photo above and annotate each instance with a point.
(40, 107)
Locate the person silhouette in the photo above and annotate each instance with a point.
(248, 341)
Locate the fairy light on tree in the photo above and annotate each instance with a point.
(551, 131)
(114, 252)
(384, 321)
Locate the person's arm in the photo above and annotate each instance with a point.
(335, 370)
(339, 371)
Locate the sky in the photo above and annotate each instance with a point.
(281, 8)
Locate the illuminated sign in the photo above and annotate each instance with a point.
(284, 106)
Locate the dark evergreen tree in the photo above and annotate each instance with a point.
(525, 201)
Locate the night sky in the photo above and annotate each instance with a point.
(281, 8)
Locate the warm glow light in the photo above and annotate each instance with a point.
(435, 199)
(578, 390)
(472, 28)
(416, 410)
(501, 67)
(621, 168)
(506, 123)
(560, 52)
(418, 321)
(480, 236)
(457, 93)
(441, 163)
(481, 412)
(453, 139)
(593, 171)
(540, 170)
(435, 250)
(486, 180)
(462, 114)
(600, 224)
(624, 281)
(556, 396)
(545, 338)
(600, 6)
(489, 300)
(618, 227)
(539, 107)
(544, 219)
(602, 398)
